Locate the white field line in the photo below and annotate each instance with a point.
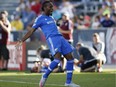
(20, 82)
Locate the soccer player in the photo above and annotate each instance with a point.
(57, 44)
(4, 34)
(66, 27)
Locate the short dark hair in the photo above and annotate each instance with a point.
(44, 4)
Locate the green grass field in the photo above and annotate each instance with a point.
(21, 79)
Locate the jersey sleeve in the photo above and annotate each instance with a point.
(37, 23)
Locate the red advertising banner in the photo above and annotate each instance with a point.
(17, 59)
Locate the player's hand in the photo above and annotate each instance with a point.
(18, 45)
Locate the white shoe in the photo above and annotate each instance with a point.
(72, 85)
(100, 69)
(42, 82)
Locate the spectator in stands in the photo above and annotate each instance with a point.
(107, 22)
(66, 27)
(21, 5)
(114, 18)
(86, 61)
(56, 13)
(4, 32)
(17, 24)
(87, 21)
(99, 46)
(75, 19)
(67, 8)
(106, 9)
(36, 7)
(96, 23)
(80, 23)
(27, 16)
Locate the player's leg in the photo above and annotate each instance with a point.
(101, 61)
(52, 66)
(67, 52)
(99, 65)
(69, 68)
(5, 54)
(89, 66)
(1, 58)
(1, 62)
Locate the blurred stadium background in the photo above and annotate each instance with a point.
(83, 14)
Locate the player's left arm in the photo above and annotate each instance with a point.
(28, 34)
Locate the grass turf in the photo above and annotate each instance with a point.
(21, 79)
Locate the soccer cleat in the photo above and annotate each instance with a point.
(71, 85)
(42, 82)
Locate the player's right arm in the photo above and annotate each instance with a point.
(35, 26)
(27, 35)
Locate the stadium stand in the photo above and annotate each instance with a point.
(8, 5)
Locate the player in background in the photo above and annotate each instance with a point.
(38, 61)
(66, 27)
(4, 34)
(43, 60)
(57, 44)
(86, 61)
(99, 46)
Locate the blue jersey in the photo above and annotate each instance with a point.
(47, 25)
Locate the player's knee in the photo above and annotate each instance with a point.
(69, 56)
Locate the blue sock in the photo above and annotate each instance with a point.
(69, 68)
(53, 65)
